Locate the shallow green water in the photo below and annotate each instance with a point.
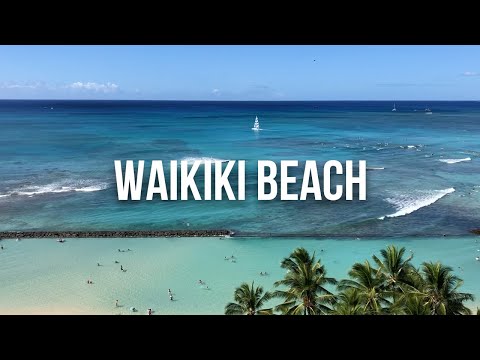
(43, 276)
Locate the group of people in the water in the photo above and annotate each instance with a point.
(232, 259)
(121, 250)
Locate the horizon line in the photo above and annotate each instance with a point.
(209, 100)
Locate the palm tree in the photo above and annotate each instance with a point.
(414, 305)
(394, 268)
(439, 290)
(305, 282)
(249, 301)
(349, 302)
(370, 287)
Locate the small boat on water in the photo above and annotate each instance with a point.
(256, 125)
(394, 107)
(428, 111)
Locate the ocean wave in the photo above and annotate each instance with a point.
(375, 168)
(54, 188)
(454, 161)
(406, 204)
(191, 160)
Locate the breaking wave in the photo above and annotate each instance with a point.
(191, 160)
(81, 186)
(406, 204)
(454, 161)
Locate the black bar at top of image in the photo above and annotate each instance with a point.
(302, 23)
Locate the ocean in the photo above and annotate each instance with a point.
(57, 173)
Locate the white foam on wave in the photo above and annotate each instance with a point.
(406, 204)
(375, 168)
(81, 186)
(92, 188)
(454, 161)
(191, 160)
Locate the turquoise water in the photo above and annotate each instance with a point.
(56, 168)
(57, 173)
(43, 276)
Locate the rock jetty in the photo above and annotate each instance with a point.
(113, 234)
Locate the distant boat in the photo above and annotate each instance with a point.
(256, 125)
(428, 111)
(394, 108)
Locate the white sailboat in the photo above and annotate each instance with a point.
(394, 108)
(428, 111)
(256, 125)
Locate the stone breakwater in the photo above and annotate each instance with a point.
(113, 234)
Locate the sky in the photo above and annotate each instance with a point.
(231, 72)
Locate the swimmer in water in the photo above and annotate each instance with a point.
(116, 262)
(121, 267)
(171, 297)
(116, 303)
(98, 264)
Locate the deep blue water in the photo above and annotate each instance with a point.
(56, 164)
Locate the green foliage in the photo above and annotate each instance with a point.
(393, 286)
(249, 301)
(304, 291)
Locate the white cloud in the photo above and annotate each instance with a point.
(216, 92)
(20, 85)
(93, 86)
(471, 73)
